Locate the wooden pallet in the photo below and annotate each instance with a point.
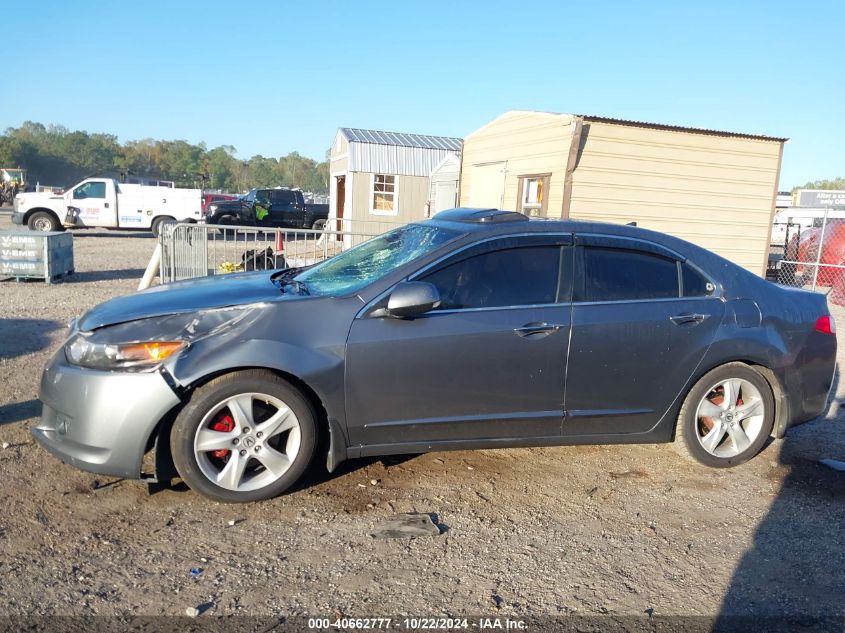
(50, 280)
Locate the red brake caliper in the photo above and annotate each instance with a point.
(718, 399)
(224, 424)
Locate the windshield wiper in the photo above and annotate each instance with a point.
(299, 286)
(284, 278)
(287, 273)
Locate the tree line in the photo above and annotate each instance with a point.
(54, 155)
(833, 183)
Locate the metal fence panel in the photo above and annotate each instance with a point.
(198, 250)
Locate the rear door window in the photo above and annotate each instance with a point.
(616, 274)
(510, 277)
(282, 197)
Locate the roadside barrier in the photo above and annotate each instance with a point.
(200, 250)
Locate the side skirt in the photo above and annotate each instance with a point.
(654, 436)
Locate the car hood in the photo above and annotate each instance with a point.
(226, 204)
(186, 296)
(39, 195)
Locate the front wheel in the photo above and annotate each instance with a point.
(319, 225)
(43, 221)
(726, 417)
(245, 436)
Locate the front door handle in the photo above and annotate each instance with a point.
(537, 328)
(688, 318)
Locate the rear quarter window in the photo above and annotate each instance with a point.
(695, 284)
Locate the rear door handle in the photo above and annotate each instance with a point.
(537, 328)
(688, 318)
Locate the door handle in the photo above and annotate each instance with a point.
(106, 205)
(537, 328)
(687, 318)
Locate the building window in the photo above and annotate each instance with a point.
(533, 195)
(384, 198)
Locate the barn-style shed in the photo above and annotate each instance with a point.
(716, 189)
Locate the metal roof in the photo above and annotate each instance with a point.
(677, 128)
(401, 139)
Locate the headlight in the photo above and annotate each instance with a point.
(212, 208)
(82, 351)
(143, 344)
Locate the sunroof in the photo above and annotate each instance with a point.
(481, 216)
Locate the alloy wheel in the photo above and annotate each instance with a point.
(729, 418)
(247, 441)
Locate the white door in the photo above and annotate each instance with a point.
(96, 203)
(487, 187)
(445, 195)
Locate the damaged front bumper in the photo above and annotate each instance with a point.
(100, 421)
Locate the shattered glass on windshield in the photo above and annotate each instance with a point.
(373, 259)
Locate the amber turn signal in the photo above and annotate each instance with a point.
(149, 352)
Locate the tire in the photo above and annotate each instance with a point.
(319, 225)
(227, 220)
(159, 222)
(731, 434)
(205, 461)
(43, 221)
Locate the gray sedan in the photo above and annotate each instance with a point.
(476, 329)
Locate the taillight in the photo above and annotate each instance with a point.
(826, 325)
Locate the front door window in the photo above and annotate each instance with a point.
(90, 190)
(512, 277)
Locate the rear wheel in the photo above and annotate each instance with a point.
(243, 437)
(319, 225)
(159, 222)
(43, 221)
(726, 417)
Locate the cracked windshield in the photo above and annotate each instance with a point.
(372, 260)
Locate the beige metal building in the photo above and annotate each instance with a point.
(379, 179)
(715, 189)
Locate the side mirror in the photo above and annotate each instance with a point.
(412, 298)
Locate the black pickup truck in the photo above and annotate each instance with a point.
(279, 207)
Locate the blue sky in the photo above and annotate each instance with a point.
(273, 77)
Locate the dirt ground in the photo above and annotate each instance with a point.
(581, 530)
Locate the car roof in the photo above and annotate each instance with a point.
(478, 222)
(497, 221)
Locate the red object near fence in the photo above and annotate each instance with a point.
(804, 249)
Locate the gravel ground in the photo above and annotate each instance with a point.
(575, 530)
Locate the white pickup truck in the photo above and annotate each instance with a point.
(103, 202)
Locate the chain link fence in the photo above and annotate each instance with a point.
(811, 257)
